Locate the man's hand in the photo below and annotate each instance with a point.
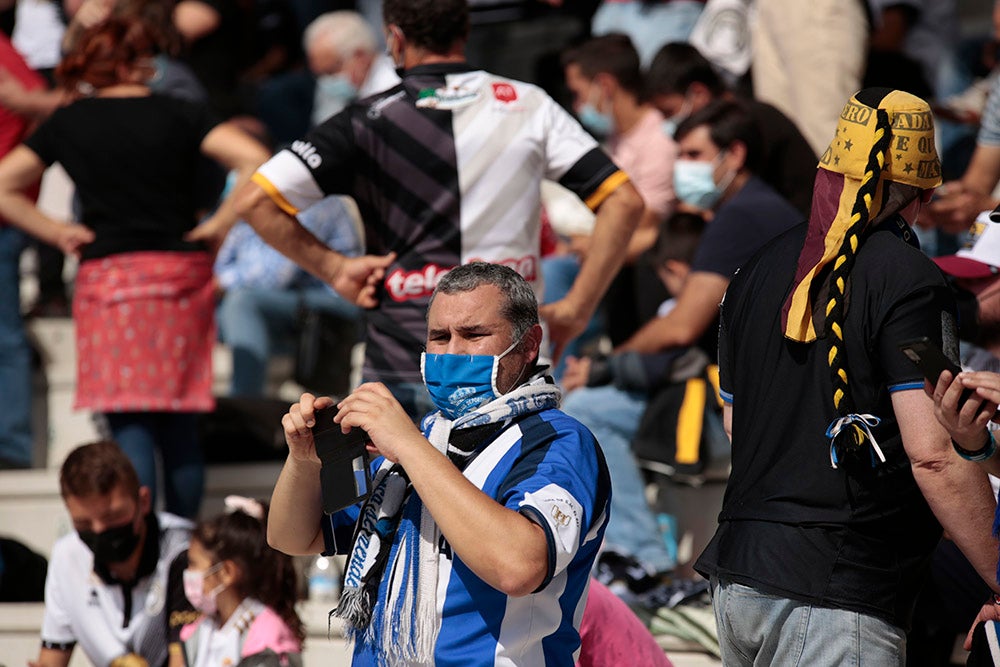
(357, 278)
(956, 207)
(985, 383)
(989, 612)
(298, 423)
(70, 238)
(212, 233)
(966, 420)
(566, 321)
(576, 374)
(373, 408)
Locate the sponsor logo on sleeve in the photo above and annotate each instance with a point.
(308, 153)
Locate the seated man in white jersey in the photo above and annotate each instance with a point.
(115, 584)
(446, 168)
(476, 543)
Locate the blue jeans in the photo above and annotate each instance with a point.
(613, 415)
(649, 25)
(15, 357)
(759, 629)
(257, 323)
(558, 275)
(175, 436)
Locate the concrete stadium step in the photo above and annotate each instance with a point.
(32, 512)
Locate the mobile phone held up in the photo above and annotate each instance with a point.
(345, 478)
(931, 361)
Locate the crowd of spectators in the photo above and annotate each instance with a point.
(238, 164)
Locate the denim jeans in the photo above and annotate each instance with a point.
(649, 25)
(759, 629)
(15, 356)
(558, 274)
(175, 436)
(257, 323)
(612, 415)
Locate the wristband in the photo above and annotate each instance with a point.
(986, 451)
(996, 599)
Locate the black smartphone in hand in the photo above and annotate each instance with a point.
(931, 361)
(344, 476)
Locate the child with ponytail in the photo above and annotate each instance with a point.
(245, 591)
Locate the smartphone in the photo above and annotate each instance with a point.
(344, 476)
(929, 358)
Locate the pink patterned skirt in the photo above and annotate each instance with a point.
(145, 327)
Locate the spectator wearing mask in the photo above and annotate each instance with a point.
(245, 592)
(680, 82)
(115, 584)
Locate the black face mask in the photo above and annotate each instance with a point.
(113, 545)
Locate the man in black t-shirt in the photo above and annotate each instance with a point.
(721, 144)
(840, 470)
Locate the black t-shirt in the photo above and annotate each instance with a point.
(133, 160)
(857, 537)
(741, 226)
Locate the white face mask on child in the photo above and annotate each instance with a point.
(194, 590)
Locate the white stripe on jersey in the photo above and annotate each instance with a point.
(480, 468)
(292, 179)
(526, 621)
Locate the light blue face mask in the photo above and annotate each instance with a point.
(601, 124)
(694, 183)
(671, 124)
(460, 383)
(333, 93)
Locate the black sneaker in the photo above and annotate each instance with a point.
(620, 572)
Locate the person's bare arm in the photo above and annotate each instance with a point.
(727, 419)
(50, 657)
(293, 525)
(20, 169)
(617, 217)
(36, 105)
(502, 547)
(194, 19)
(696, 309)
(354, 278)
(958, 491)
(967, 421)
(237, 151)
(959, 202)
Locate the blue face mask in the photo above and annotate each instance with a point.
(671, 124)
(460, 383)
(694, 183)
(333, 93)
(601, 124)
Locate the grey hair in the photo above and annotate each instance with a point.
(520, 306)
(344, 30)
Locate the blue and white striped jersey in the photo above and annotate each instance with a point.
(548, 467)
